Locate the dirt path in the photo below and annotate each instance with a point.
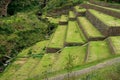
(87, 70)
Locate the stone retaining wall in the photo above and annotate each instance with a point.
(63, 23)
(73, 44)
(111, 46)
(87, 53)
(102, 27)
(52, 50)
(101, 3)
(104, 10)
(97, 23)
(78, 13)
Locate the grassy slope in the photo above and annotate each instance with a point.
(36, 49)
(89, 28)
(74, 34)
(107, 73)
(57, 39)
(97, 49)
(78, 54)
(21, 64)
(108, 20)
(12, 68)
(116, 43)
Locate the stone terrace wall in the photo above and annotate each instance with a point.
(52, 50)
(111, 46)
(104, 10)
(102, 27)
(101, 3)
(97, 23)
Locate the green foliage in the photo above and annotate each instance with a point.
(53, 4)
(21, 5)
(21, 31)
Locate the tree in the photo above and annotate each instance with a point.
(3, 7)
(69, 65)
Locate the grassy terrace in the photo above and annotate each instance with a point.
(77, 53)
(64, 18)
(13, 68)
(25, 70)
(44, 65)
(116, 43)
(57, 40)
(74, 34)
(71, 14)
(108, 20)
(79, 9)
(98, 50)
(35, 49)
(90, 30)
(113, 9)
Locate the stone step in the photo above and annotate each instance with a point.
(57, 40)
(107, 25)
(110, 11)
(74, 35)
(90, 32)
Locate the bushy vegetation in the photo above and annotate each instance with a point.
(54, 4)
(21, 5)
(20, 31)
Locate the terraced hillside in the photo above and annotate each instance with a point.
(83, 38)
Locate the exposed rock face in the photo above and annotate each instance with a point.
(3, 7)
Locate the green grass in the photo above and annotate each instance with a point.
(91, 31)
(64, 18)
(71, 14)
(57, 40)
(74, 34)
(53, 20)
(35, 49)
(116, 43)
(108, 73)
(98, 50)
(25, 70)
(44, 65)
(108, 20)
(78, 54)
(12, 68)
(79, 9)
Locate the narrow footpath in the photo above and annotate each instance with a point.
(87, 70)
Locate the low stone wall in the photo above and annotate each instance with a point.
(87, 53)
(114, 31)
(52, 50)
(101, 3)
(78, 13)
(72, 19)
(103, 28)
(63, 23)
(104, 10)
(72, 44)
(111, 46)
